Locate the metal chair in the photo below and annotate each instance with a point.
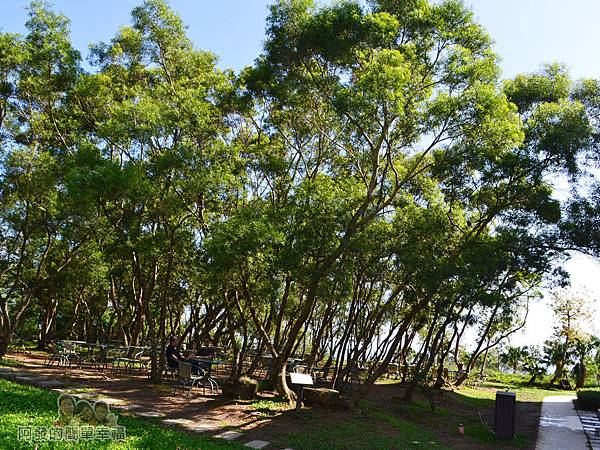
(130, 357)
(59, 355)
(188, 379)
(64, 354)
(71, 353)
(17, 344)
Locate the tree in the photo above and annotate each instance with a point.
(154, 117)
(369, 190)
(348, 94)
(570, 312)
(534, 364)
(583, 350)
(37, 241)
(514, 357)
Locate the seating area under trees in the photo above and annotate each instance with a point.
(365, 202)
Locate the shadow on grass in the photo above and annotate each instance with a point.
(382, 421)
(385, 421)
(29, 406)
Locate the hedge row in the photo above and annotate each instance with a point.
(589, 398)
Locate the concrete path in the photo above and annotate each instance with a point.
(560, 427)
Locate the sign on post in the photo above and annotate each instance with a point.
(300, 380)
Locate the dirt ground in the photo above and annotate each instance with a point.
(274, 426)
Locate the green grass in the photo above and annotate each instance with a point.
(478, 432)
(413, 425)
(418, 408)
(473, 399)
(443, 418)
(372, 427)
(485, 397)
(10, 363)
(24, 405)
(359, 434)
(524, 393)
(269, 408)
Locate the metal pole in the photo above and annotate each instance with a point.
(299, 399)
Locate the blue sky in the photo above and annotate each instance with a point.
(527, 33)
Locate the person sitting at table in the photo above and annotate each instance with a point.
(172, 353)
(174, 358)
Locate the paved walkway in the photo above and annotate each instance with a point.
(560, 427)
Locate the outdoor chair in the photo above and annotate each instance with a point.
(64, 354)
(129, 359)
(17, 344)
(319, 374)
(71, 354)
(172, 372)
(59, 355)
(145, 359)
(187, 380)
(86, 356)
(392, 370)
(96, 357)
(357, 374)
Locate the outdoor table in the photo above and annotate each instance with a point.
(208, 362)
(80, 347)
(91, 353)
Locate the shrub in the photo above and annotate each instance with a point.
(243, 387)
(508, 378)
(589, 398)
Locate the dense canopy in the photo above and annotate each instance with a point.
(369, 190)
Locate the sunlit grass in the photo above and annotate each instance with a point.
(269, 408)
(524, 393)
(11, 363)
(29, 406)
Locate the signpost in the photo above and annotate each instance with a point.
(300, 380)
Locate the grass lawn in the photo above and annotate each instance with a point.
(385, 421)
(524, 393)
(382, 421)
(25, 405)
(466, 404)
(372, 431)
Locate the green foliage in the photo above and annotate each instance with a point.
(589, 399)
(369, 174)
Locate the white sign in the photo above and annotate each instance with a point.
(301, 378)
